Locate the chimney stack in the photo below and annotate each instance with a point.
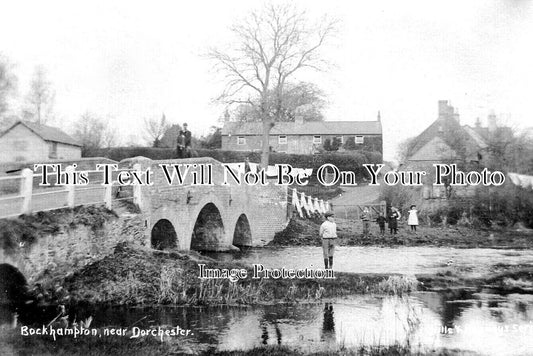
(446, 111)
(491, 121)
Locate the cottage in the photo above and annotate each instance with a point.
(447, 141)
(29, 141)
(301, 137)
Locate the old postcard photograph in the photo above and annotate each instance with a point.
(267, 177)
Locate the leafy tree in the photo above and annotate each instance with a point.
(271, 46)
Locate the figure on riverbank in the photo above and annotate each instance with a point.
(412, 219)
(365, 216)
(394, 216)
(328, 233)
(381, 220)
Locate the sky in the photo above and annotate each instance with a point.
(130, 60)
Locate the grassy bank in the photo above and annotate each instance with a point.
(394, 350)
(142, 276)
(12, 343)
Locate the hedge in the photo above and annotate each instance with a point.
(348, 161)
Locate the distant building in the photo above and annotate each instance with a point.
(447, 141)
(434, 144)
(301, 137)
(28, 141)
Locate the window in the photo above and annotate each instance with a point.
(359, 140)
(241, 140)
(53, 150)
(340, 139)
(317, 139)
(282, 140)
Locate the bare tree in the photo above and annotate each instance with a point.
(40, 98)
(155, 129)
(273, 44)
(7, 84)
(304, 99)
(90, 131)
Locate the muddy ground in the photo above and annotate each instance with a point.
(304, 232)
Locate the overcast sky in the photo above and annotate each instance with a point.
(128, 60)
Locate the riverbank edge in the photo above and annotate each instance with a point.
(304, 232)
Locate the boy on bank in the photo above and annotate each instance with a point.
(328, 233)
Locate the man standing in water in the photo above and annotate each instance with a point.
(328, 233)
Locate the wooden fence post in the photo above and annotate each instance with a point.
(26, 190)
(70, 187)
(137, 192)
(108, 196)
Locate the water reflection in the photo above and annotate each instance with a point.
(479, 322)
(328, 325)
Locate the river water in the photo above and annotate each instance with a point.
(404, 260)
(482, 322)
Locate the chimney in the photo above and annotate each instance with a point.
(446, 111)
(379, 116)
(491, 121)
(299, 119)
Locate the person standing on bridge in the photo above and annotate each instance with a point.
(187, 141)
(328, 233)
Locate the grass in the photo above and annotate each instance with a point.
(12, 343)
(394, 350)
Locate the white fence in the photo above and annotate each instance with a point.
(22, 194)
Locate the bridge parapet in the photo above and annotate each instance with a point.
(209, 217)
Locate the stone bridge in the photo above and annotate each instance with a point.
(185, 216)
(209, 217)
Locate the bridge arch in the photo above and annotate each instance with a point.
(163, 235)
(242, 235)
(13, 285)
(208, 232)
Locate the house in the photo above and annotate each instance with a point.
(301, 137)
(29, 141)
(447, 141)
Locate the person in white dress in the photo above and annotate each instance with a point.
(412, 219)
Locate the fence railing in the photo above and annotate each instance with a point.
(354, 211)
(22, 194)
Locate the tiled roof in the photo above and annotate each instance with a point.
(307, 128)
(434, 150)
(478, 139)
(47, 133)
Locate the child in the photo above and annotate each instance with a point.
(366, 221)
(412, 220)
(394, 216)
(328, 233)
(381, 222)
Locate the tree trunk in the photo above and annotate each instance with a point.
(265, 152)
